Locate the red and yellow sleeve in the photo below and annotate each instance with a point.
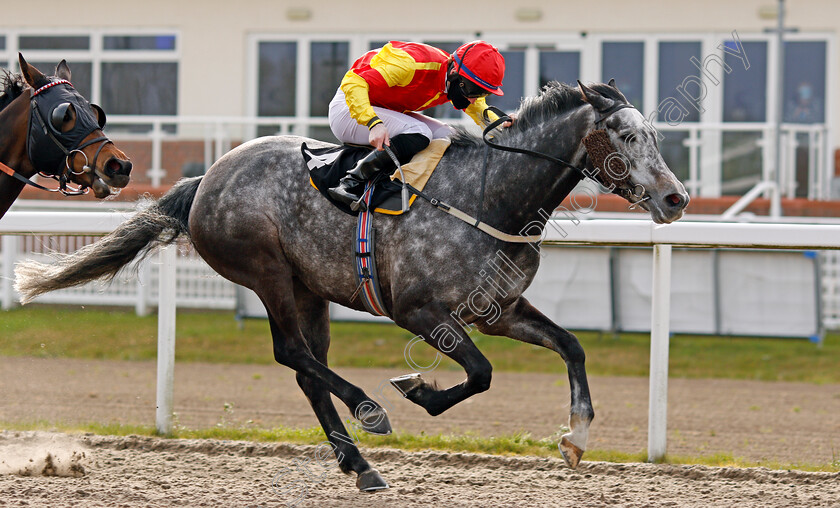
(390, 67)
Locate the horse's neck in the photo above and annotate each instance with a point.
(522, 189)
(13, 132)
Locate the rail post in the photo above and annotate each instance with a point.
(9, 251)
(659, 338)
(166, 339)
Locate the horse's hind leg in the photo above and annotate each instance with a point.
(314, 319)
(291, 350)
(428, 323)
(522, 321)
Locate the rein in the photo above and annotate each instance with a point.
(506, 237)
(505, 118)
(14, 174)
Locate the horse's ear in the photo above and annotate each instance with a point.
(612, 83)
(30, 73)
(100, 115)
(62, 70)
(597, 100)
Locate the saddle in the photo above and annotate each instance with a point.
(327, 166)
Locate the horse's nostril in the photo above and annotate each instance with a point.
(674, 199)
(117, 167)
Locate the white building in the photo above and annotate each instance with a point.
(705, 70)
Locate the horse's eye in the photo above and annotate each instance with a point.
(627, 137)
(61, 117)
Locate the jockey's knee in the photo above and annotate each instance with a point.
(444, 130)
(406, 145)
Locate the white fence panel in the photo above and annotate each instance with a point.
(772, 294)
(572, 287)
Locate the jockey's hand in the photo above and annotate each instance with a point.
(509, 123)
(379, 136)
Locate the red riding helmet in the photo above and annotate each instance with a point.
(481, 63)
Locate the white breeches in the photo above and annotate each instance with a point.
(348, 130)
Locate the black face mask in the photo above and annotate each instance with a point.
(460, 90)
(455, 93)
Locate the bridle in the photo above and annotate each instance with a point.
(39, 129)
(635, 193)
(478, 223)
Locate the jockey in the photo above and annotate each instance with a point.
(378, 100)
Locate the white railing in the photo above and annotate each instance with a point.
(820, 154)
(594, 232)
(198, 286)
(218, 134)
(202, 288)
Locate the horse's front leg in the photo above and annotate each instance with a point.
(431, 322)
(522, 321)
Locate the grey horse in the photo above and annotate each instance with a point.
(257, 221)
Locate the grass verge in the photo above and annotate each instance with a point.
(118, 334)
(517, 444)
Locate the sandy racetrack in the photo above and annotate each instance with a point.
(139, 471)
(790, 422)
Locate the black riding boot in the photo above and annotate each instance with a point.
(404, 146)
(365, 169)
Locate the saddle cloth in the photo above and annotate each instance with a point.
(327, 166)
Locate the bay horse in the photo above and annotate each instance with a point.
(256, 220)
(47, 127)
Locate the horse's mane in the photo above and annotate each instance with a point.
(12, 85)
(554, 99)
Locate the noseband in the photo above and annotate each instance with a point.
(599, 149)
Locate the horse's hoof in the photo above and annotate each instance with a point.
(371, 481)
(407, 383)
(571, 453)
(376, 422)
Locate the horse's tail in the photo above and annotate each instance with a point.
(159, 224)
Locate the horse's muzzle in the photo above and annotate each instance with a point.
(116, 172)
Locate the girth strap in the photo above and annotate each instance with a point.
(368, 286)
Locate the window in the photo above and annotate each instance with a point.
(278, 68)
(514, 82)
(140, 88)
(329, 63)
(741, 162)
(625, 62)
(804, 86)
(139, 42)
(137, 73)
(745, 89)
(71, 42)
(2, 42)
(562, 66)
(276, 75)
(678, 77)
(675, 153)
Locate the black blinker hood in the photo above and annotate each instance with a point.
(46, 146)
